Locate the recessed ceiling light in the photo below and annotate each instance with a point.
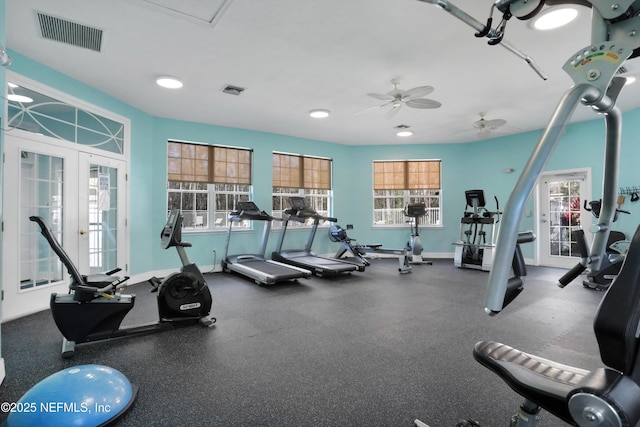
(319, 114)
(554, 18)
(19, 98)
(169, 82)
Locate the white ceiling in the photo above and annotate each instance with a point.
(296, 55)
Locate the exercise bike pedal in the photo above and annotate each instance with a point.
(208, 321)
(155, 284)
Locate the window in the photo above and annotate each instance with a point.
(396, 183)
(61, 120)
(206, 181)
(303, 176)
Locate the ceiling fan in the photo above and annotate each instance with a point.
(411, 98)
(485, 127)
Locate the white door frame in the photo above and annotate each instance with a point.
(585, 216)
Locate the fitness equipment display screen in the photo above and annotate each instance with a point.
(172, 230)
(297, 203)
(247, 207)
(477, 195)
(416, 209)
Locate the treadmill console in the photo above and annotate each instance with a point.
(247, 207)
(171, 234)
(297, 203)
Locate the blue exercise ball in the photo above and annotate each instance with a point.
(83, 396)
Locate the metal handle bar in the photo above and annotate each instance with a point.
(480, 28)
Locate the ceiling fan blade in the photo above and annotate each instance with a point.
(423, 103)
(394, 110)
(495, 123)
(372, 108)
(416, 92)
(380, 96)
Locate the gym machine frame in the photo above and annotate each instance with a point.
(607, 396)
(94, 307)
(359, 252)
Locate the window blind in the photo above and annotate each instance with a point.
(406, 175)
(294, 171)
(211, 164)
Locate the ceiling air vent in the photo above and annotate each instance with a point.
(69, 32)
(233, 90)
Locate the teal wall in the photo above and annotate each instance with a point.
(263, 145)
(464, 166)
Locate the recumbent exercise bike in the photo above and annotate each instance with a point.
(94, 307)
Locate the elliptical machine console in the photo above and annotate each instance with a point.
(95, 307)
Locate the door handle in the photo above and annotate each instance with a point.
(83, 231)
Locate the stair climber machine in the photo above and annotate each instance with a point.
(615, 251)
(608, 395)
(360, 253)
(477, 227)
(256, 266)
(305, 258)
(95, 307)
(415, 211)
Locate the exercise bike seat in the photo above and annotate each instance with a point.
(84, 286)
(540, 380)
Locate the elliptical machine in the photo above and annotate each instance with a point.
(477, 233)
(415, 211)
(94, 307)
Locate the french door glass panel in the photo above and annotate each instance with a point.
(41, 186)
(560, 212)
(103, 218)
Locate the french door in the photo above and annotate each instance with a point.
(81, 197)
(560, 210)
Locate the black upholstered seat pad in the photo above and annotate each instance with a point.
(545, 382)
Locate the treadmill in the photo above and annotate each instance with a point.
(305, 258)
(256, 266)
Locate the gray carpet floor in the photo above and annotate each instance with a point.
(367, 349)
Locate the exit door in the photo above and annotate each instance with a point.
(560, 211)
